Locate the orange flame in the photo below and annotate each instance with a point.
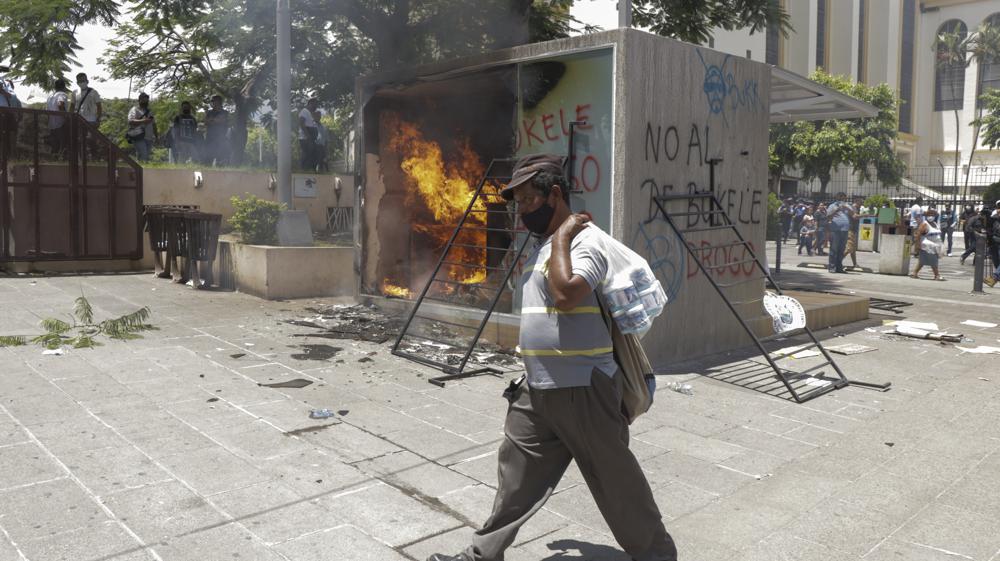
(444, 188)
(390, 289)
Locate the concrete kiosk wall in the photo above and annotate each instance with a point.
(679, 107)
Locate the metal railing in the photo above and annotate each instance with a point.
(66, 191)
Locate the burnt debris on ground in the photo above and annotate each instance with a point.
(367, 322)
(359, 322)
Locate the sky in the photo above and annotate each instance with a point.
(94, 40)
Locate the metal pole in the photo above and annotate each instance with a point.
(980, 259)
(284, 80)
(624, 13)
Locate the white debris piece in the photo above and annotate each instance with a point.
(980, 350)
(849, 349)
(975, 323)
(56, 352)
(794, 352)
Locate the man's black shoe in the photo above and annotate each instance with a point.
(443, 557)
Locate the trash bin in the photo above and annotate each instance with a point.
(202, 236)
(894, 254)
(868, 234)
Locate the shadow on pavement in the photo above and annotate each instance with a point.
(575, 549)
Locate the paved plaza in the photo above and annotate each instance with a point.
(168, 448)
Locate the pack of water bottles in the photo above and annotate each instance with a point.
(633, 294)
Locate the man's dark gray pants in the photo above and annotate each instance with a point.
(545, 429)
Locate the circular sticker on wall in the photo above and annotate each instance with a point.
(786, 312)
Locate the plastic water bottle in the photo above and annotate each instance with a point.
(678, 387)
(321, 414)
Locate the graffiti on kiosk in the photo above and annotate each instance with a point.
(724, 91)
(537, 131)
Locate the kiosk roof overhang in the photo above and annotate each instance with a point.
(797, 98)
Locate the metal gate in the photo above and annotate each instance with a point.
(66, 191)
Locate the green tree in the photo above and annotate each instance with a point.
(985, 50)
(694, 20)
(781, 154)
(40, 35)
(200, 48)
(990, 121)
(951, 48)
(821, 147)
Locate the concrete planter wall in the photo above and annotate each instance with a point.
(275, 273)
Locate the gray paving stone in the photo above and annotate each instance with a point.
(228, 541)
(205, 416)
(130, 468)
(104, 540)
(454, 419)
(257, 441)
(315, 473)
(343, 542)
(733, 523)
(766, 442)
(692, 471)
(163, 511)
(46, 509)
(275, 513)
(845, 527)
(895, 550)
(789, 548)
(676, 499)
(349, 443)
(952, 529)
(441, 447)
(389, 515)
(213, 470)
(700, 447)
(754, 462)
(405, 469)
(24, 464)
(888, 493)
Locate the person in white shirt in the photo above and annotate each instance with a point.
(58, 101)
(307, 135)
(86, 100)
(141, 128)
(916, 212)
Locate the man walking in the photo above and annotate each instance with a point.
(840, 215)
(969, 218)
(947, 221)
(570, 406)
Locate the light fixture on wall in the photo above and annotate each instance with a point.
(199, 180)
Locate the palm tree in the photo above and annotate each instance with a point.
(952, 48)
(984, 48)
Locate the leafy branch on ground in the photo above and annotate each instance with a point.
(81, 331)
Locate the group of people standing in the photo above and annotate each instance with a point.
(932, 233)
(815, 226)
(85, 101)
(183, 137)
(313, 138)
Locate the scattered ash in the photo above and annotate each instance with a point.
(366, 322)
(360, 323)
(484, 353)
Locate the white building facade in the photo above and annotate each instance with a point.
(892, 41)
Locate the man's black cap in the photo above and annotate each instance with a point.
(528, 167)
